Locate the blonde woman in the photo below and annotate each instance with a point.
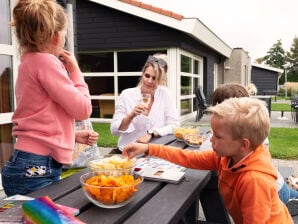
(136, 122)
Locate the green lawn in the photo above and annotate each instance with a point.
(283, 141)
(280, 107)
(106, 139)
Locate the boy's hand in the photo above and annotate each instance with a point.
(134, 149)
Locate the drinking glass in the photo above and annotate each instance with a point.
(146, 98)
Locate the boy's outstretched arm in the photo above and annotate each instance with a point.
(134, 149)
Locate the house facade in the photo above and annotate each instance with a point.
(112, 40)
(266, 79)
(238, 68)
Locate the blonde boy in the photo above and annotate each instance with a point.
(246, 177)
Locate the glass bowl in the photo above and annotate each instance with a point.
(181, 131)
(110, 191)
(193, 140)
(113, 165)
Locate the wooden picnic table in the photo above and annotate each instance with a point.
(156, 202)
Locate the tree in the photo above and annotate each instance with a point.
(275, 56)
(292, 60)
(259, 60)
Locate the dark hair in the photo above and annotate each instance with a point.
(228, 90)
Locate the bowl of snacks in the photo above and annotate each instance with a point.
(114, 165)
(181, 131)
(193, 140)
(110, 191)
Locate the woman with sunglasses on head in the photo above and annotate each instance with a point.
(136, 122)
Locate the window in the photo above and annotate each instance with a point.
(5, 35)
(190, 78)
(132, 61)
(96, 62)
(6, 143)
(6, 84)
(7, 52)
(108, 74)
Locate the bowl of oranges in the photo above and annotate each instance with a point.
(110, 191)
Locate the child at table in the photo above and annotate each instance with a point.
(50, 95)
(288, 195)
(246, 177)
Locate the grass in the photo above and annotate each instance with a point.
(283, 141)
(280, 107)
(106, 139)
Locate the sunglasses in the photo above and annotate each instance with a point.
(161, 62)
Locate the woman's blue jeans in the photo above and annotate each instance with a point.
(286, 193)
(26, 172)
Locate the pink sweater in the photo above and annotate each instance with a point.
(48, 102)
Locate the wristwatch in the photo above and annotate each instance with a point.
(150, 132)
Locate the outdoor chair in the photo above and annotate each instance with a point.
(201, 103)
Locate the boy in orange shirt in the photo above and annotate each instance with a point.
(246, 177)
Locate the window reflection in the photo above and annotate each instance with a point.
(96, 62)
(5, 37)
(6, 143)
(185, 85)
(125, 82)
(6, 84)
(100, 84)
(185, 64)
(133, 61)
(185, 106)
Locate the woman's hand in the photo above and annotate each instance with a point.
(139, 109)
(87, 137)
(134, 149)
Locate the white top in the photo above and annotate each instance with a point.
(163, 116)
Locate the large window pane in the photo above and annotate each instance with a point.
(195, 84)
(132, 61)
(5, 34)
(6, 84)
(100, 85)
(185, 85)
(6, 143)
(125, 82)
(185, 64)
(196, 67)
(96, 62)
(103, 108)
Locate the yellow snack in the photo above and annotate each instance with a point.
(112, 190)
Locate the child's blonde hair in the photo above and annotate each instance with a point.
(252, 89)
(245, 117)
(36, 22)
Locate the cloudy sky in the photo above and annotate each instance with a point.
(253, 25)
